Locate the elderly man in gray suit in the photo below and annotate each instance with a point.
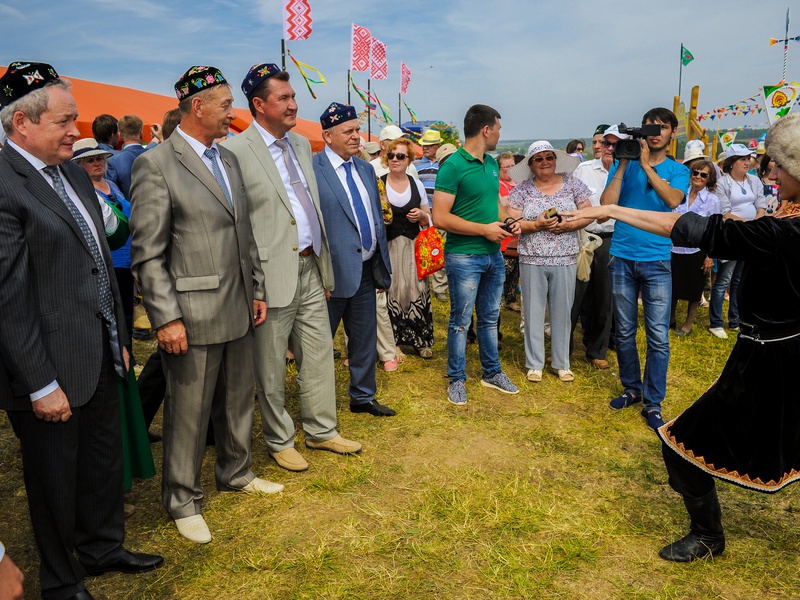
(293, 248)
(62, 338)
(195, 258)
(351, 207)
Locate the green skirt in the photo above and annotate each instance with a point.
(136, 452)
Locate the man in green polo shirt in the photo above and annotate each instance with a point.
(465, 205)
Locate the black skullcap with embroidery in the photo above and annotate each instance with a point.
(22, 78)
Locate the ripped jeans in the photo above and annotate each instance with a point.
(475, 280)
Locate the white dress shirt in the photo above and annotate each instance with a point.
(200, 148)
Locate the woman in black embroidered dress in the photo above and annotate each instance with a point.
(746, 428)
(409, 299)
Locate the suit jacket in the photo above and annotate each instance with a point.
(193, 256)
(49, 301)
(343, 236)
(120, 166)
(272, 216)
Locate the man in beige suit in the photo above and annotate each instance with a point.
(194, 255)
(293, 248)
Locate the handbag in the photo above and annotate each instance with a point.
(428, 252)
(588, 244)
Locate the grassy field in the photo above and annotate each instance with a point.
(546, 494)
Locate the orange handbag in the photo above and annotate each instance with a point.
(428, 252)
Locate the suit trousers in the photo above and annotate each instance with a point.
(190, 401)
(359, 315)
(303, 323)
(73, 478)
(387, 345)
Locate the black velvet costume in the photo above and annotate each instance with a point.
(746, 428)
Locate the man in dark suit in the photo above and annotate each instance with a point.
(194, 254)
(60, 343)
(293, 248)
(351, 209)
(121, 164)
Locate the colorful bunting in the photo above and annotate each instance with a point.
(366, 98)
(384, 108)
(296, 20)
(411, 113)
(300, 67)
(360, 44)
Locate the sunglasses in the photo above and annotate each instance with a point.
(539, 159)
(607, 144)
(699, 174)
(398, 155)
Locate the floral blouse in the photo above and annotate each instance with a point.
(547, 247)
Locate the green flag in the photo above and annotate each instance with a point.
(686, 56)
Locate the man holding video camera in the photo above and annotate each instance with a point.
(643, 178)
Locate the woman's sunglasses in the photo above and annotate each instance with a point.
(398, 156)
(699, 174)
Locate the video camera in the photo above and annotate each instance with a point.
(630, 147)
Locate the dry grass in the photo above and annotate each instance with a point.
(547, 494)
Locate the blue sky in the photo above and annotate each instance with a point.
(552, 69)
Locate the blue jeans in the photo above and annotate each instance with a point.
(475, 280)
(728, 273)
(654, 280)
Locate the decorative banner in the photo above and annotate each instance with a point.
(726, 138)
(683, 121)
(380, 68)
(779, 100)
(365, 97)
(384, 109)
(360, 43)
(296, 20)
(308, 80)
(686, 56)
(405, 78)
(411, 113)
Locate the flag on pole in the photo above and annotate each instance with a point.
(405, 78)
(360, 43)
(296, 19)
(686, 56)
(380, 68)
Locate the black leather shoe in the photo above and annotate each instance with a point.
(82, 595)
(374, 408)
(129, 562)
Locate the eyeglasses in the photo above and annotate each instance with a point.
(607, 144)
(539, 159)
(700, 174)
(398, 156)
(579, 149)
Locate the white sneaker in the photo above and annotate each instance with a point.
(262, 486)
(719, 332)
(194, 529)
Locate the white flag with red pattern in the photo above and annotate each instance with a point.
(405, 78)
(360, 43)
(296, 19)
(380, 68)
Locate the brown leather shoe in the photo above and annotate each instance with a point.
(337, 444)
(598, 363)
(290, 459)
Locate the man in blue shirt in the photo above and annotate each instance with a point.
(640, 263)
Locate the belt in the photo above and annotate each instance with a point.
(751, 332)
(306, 251)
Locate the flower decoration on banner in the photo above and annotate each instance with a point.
(405, 78)
(779, 100)
(296, 20)
(360, 44)
(726, 138)
(380, 68)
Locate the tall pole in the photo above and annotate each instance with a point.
(785, 47)
(348, 87)
(283, 54)
(369, 108)
(399, 108)
(680, 72)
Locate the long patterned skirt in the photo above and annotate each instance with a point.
(409, 299)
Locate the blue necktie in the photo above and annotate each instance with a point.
(358, 205)
(211, 154)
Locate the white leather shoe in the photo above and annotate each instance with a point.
(262, 486)
(194, 529)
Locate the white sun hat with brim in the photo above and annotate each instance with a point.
(88, 147)
(738, 150)
(564, 162)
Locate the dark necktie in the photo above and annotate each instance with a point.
(358, 206)
(211, 154)
(103, 284)
(302, 195)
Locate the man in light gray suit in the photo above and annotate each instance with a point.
(195, 258)
(351, 208)
(293, 248)
(62, 338)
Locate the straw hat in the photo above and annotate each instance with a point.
(88, 147)
(564, 162)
